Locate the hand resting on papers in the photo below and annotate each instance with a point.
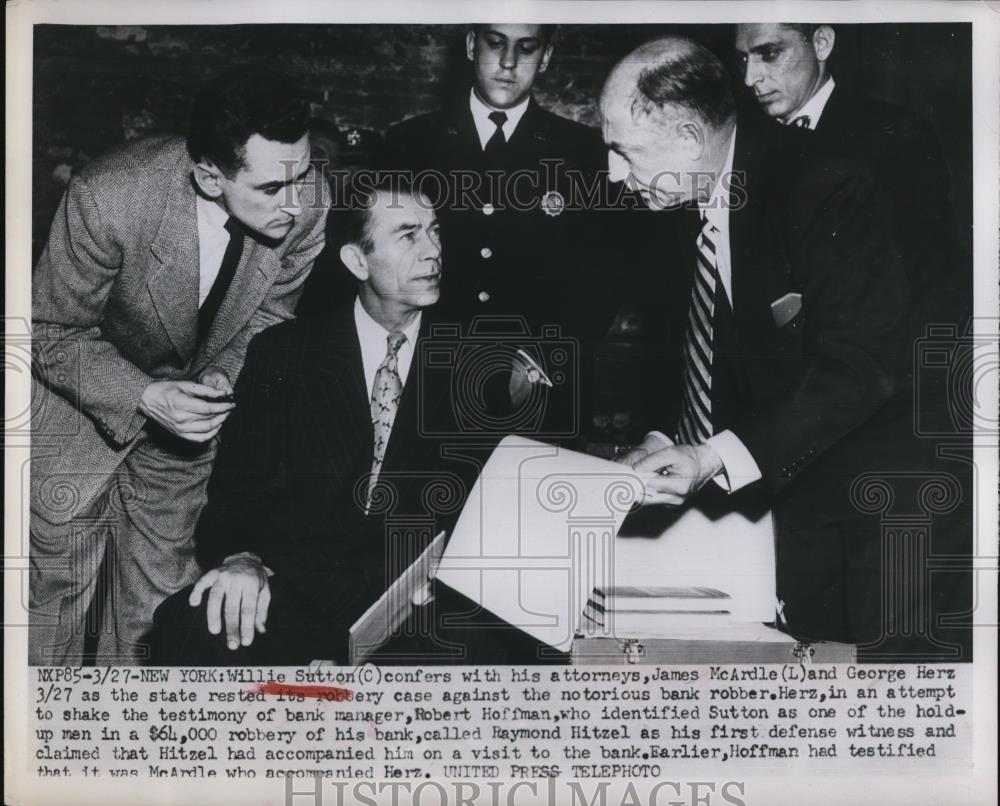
(670, 473)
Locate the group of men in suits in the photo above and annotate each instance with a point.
(786, 303)
(794, 334)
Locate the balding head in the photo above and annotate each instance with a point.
(668, 113)
(671, 76)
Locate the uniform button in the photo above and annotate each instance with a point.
(488, 209)
(486, 252)
(484, 296)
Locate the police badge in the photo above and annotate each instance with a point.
(553, 203)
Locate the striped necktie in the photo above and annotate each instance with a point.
(802, 121)
(386, 392)
(695, 424)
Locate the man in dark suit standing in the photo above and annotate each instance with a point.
(333, 473)
(786, 319)
(787, 69)
(514, 185)
(164, 259)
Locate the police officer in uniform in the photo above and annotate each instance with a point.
(516, 187)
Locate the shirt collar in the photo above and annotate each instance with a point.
(716, 209)
(813, 108)
(481, 116)
(371, 332)
(212, 216)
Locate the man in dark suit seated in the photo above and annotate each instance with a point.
(326, 487)
(786, 320)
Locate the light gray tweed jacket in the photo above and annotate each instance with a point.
(115, 306)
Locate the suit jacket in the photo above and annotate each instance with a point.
(899, 148)
(290, 479)
(515, 259)
(817, 401)
(115, 307)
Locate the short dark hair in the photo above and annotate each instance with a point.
(238, 104)
(349, 220)
(806, 29)
(693, 78)
(548, 32)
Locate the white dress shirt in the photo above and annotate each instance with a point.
(485, 127)
(373, 345)
(213, 238)
(739, 467)
(813, 108)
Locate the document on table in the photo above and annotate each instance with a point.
(543, 527)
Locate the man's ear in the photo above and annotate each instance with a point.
(352, 256)
(822, 41)
(470, 44)
(208, 177)
(545, 58)
(693, 137)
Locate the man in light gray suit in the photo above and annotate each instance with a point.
(164, 259)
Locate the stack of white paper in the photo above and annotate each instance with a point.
(543, 527)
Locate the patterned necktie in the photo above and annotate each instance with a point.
(695, 424)
(802, 121)
(386, 391)
(227, 270)
(497, 141)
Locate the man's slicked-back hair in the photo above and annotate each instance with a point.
(238, 104)
(692, 78)
(350, 221)
(549, 32)
(806, 29)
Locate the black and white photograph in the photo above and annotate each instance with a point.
(584, 347)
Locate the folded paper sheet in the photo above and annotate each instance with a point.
(540, 529)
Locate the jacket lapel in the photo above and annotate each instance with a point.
(340, 383)
(831, 124)
(173, 284)
(460, 140)
(745, 223)
(529, 132)
(258, 266)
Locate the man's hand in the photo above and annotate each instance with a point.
(192, 411)
(217, 379)
(674, 474)
(238, 588)
(651, 444)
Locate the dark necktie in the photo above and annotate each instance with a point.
(386, 392)
(695, 424)
(227, 270)
(802, 121)
(496, 143)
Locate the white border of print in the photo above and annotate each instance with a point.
(872, 783)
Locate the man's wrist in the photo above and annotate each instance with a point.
(710, 461)
(243, 556)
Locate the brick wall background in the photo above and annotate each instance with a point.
(96, 86)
